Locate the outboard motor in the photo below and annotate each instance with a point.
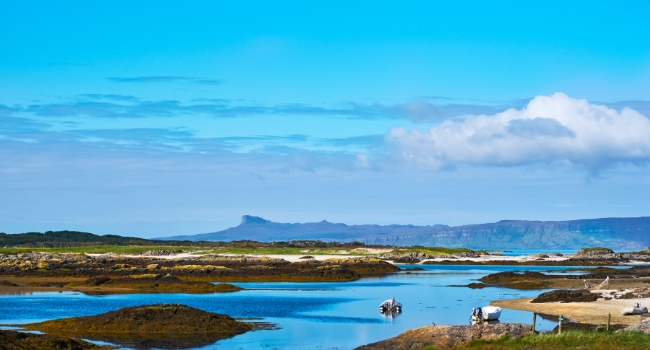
(477, 313)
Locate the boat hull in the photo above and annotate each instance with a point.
(634, 310)
(489, 313)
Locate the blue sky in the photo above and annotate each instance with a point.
(162, 118)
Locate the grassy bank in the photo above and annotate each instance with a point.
(277, 249)
(292, 251)
(102, 249)
(430, 250)
(96, 249)
(567, 340)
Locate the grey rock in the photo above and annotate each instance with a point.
(444, 337)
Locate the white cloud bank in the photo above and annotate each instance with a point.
(551, 129)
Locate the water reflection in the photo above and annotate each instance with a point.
(312, 315)
(390, 313)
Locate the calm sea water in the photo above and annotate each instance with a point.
(312, 315)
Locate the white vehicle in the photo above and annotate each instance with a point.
(486, 313)
(390, 305)
(636, 310)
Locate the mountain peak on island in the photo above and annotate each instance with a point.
(249, 219)
(616, 233)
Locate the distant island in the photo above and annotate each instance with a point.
(616, 233)
(621, 234)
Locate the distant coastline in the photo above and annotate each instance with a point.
(622, 234)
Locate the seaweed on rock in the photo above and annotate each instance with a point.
(147, 326)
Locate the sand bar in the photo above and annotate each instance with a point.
(593, 313)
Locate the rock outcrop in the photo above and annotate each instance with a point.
(566, 296)
(444, 337)
(596, 253)
(208, 268)
(157, 283)
(12, 340)
(415, 257)
(147, 326)
(643, 326)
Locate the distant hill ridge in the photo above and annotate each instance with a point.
(64, 238)
(258, 229)
(616, 233)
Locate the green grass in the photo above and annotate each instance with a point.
(289, 251)
(343, 251)
(640, 253)
(95, 249)
(101, 249)
(595, 249)
(430, 250)
(568, 340)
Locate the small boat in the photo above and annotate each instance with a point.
(390, 305)
(486, 313)
(636, 310)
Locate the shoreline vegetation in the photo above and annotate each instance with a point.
(209, 267)
(510, 336)
(125, 274)
(621, 278)
(180, 269)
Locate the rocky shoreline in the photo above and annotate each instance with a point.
(583, 257)
(13, 340)
(155, 283)
(444, 337)
(635, 276)
(123, 274)
(149, 326)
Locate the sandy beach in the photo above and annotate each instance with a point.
(593, 312)
(364, 252)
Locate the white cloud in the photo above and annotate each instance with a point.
(551, 129)
(363, 161)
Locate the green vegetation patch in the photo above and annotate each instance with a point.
(567, 340)
(596, 249)
(93, 249)
(148, 275)
(34, 239)
(290, 251)
(430, 250)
